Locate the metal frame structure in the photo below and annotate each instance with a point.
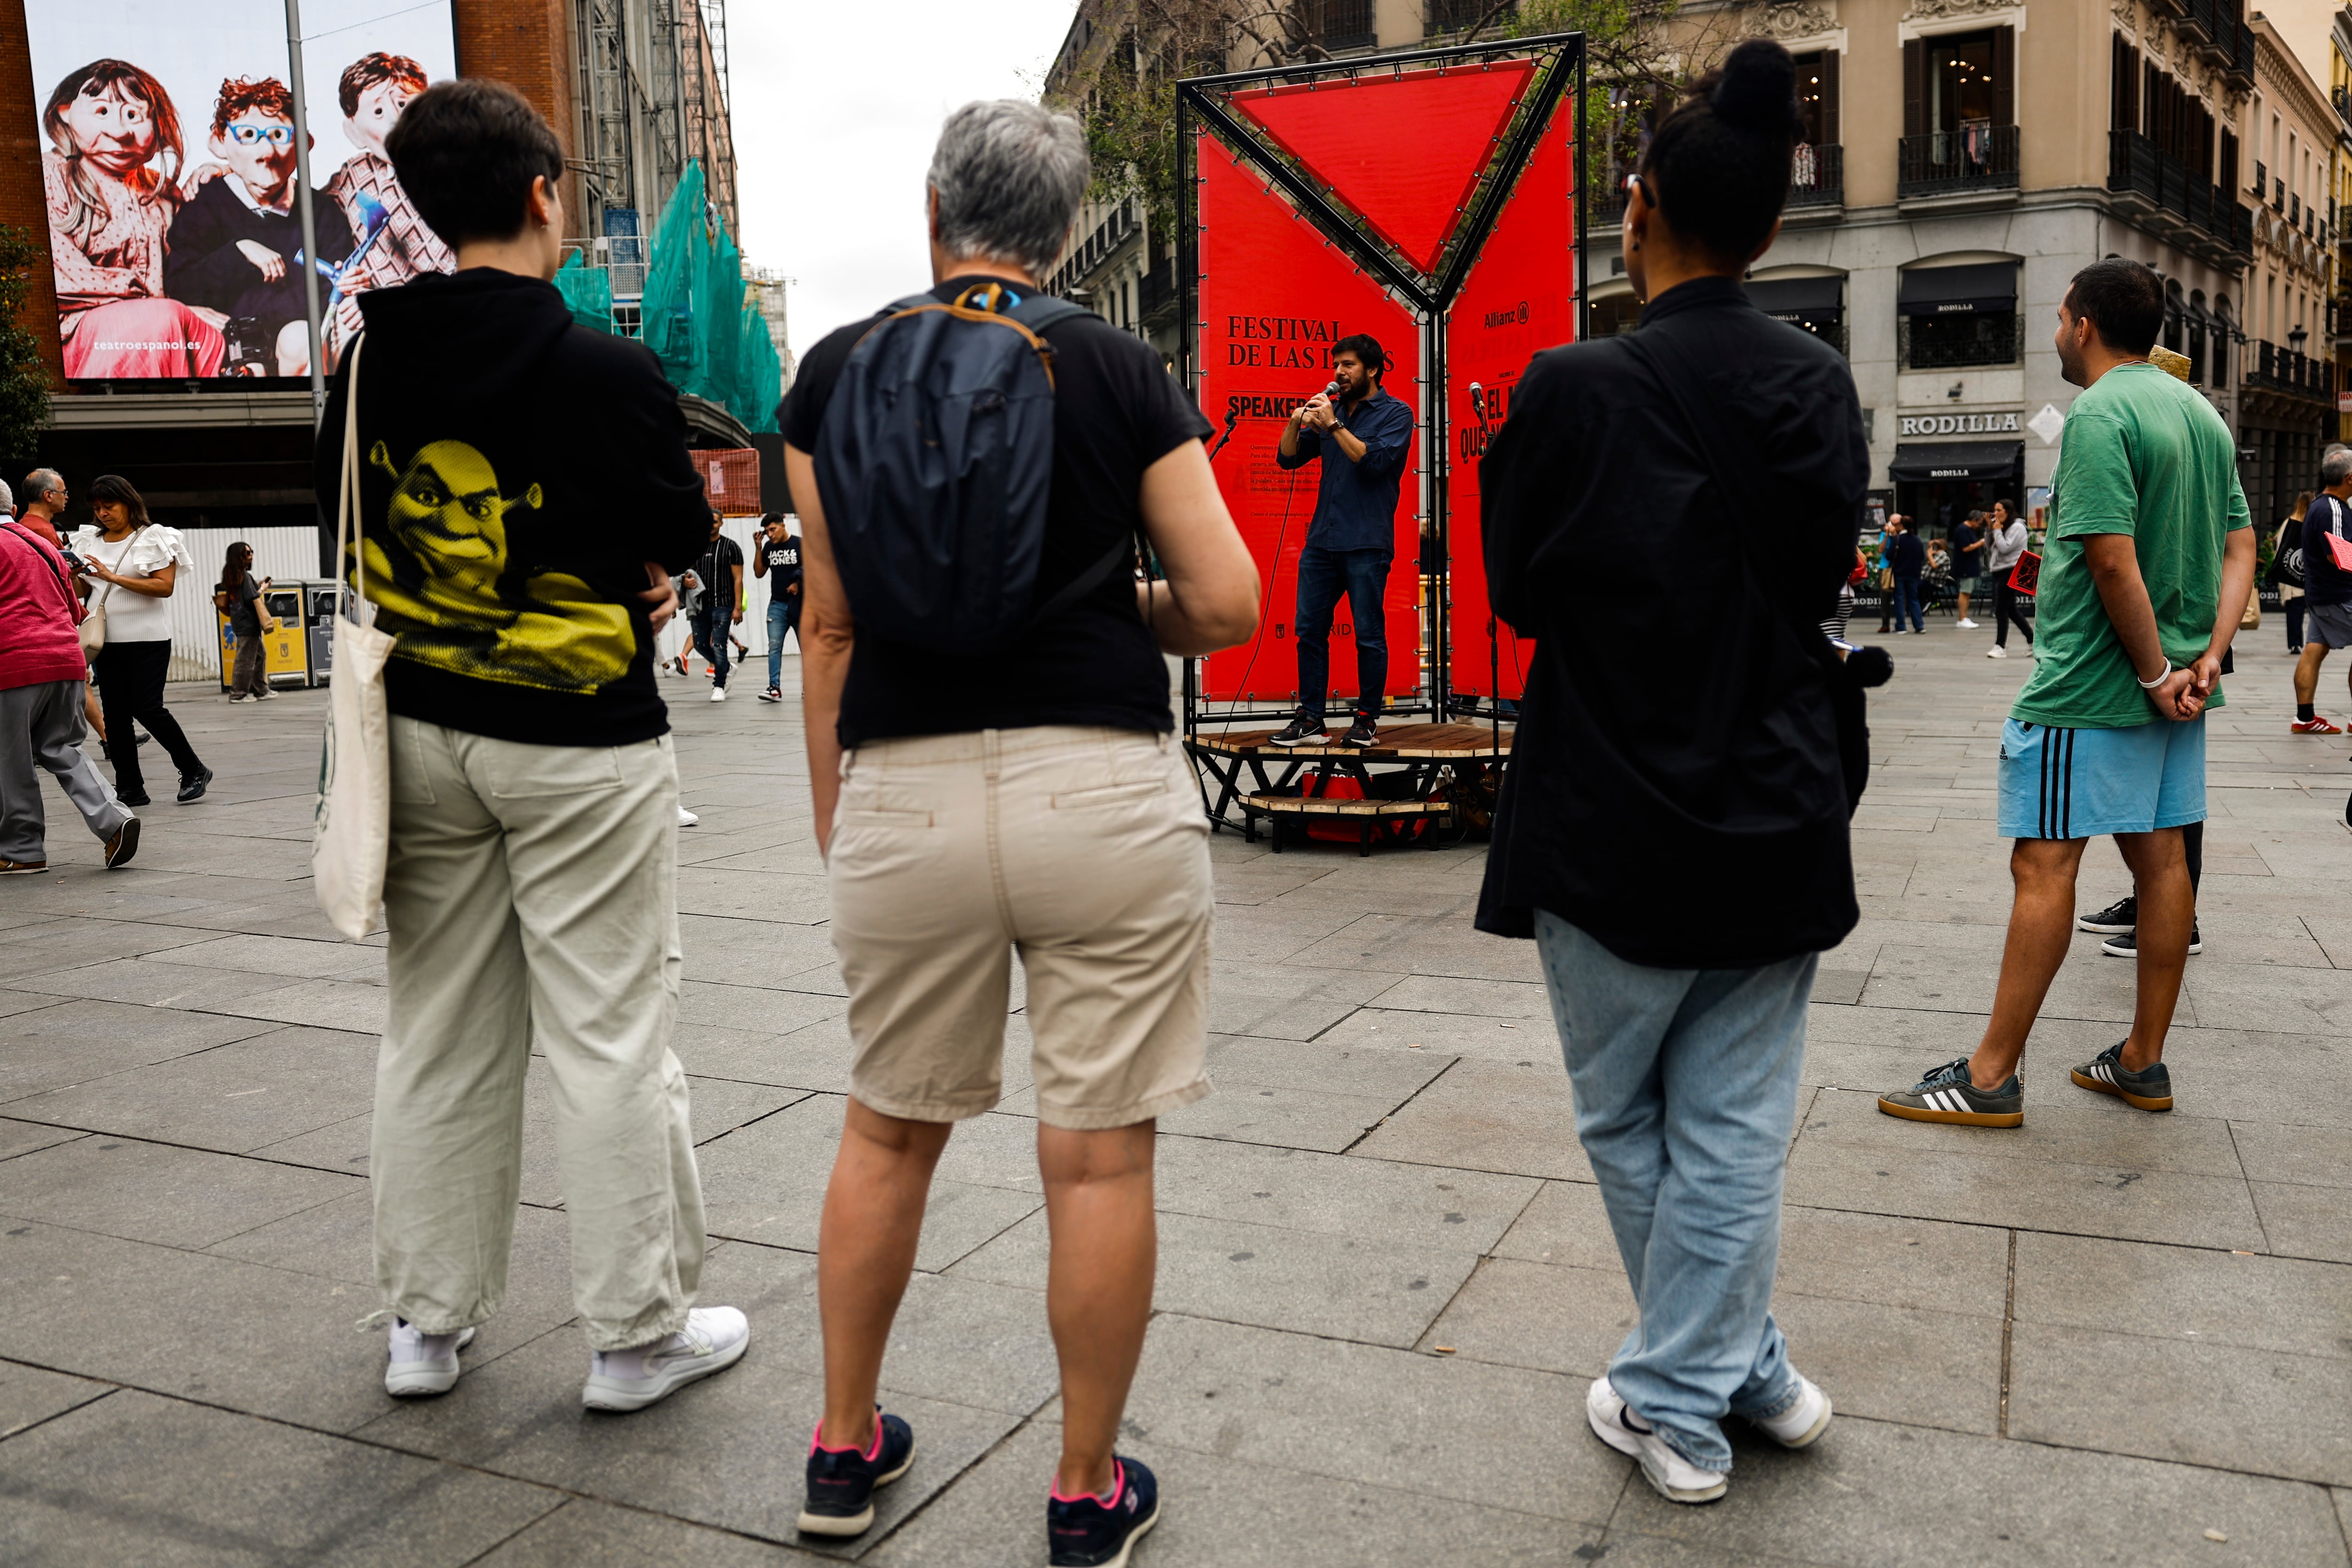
(1429, 295)
(649, 73)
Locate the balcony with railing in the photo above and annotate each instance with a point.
(1975, 159)
(2138, 168)
(1819, 178)
(2266, 367)
(1156, 293)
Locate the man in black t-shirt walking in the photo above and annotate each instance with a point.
(778, 559)
(720, 573)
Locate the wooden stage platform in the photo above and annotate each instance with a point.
(1432, 769)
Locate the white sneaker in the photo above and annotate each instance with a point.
(1799, 1424)
(1675, 1478)
(719, 694)
(420, 1363)
(1966, 625)
(1996, 652)
(687, 818)
(713, 1340)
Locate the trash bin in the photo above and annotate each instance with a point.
(319, 601)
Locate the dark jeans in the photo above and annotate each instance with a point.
(2294, 608)
(2008, 606)
(1907, 602)
(710, 636)
(1323, 576)
(130, 687)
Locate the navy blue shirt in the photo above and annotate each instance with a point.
(2324, 582)
(1355, 505)
(1910, 557)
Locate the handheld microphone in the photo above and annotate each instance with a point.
(1331, 391)
(1478, 400)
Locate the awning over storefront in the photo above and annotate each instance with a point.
(1818, 301)
(1915, 464)
(1958, 290)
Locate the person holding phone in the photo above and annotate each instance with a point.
(249, 620)
(129, 568)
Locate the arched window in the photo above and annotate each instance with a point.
(2197, 326)
(2174, 315)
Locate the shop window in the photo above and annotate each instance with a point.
(1950, 342)
(1616, 313)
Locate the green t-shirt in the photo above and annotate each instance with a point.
(2142, 454)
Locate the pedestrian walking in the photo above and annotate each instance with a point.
(513, 517)
(959, 834)
(129, 566)
(2326, 586)
(2006, 543)
(2150, 560)
(1885, 559)
(249, 621)
(42, 677)
(1908, 560)
(45, 498)
(778, 560)
(719, 570)
(2286, 569)
(1684, 1040)
(1967, 552)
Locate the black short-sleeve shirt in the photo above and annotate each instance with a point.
(782, 558)
(1116, 411)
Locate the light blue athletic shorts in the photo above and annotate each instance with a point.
(2081, 783)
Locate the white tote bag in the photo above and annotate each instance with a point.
(352, 828)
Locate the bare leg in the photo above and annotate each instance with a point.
(865, 1251)
(2041, 927)
(1098, 1286)
(90, 712)
(2168, 911)
(2307, 671)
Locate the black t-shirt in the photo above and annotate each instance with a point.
(1116, 411)
(1965, 562)
(243, 619)
(718, 582)
(782, 558)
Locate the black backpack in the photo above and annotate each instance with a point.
(934, 461)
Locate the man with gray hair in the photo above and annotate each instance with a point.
(2326, 587)
(969, 810)
(44, 497)
(8, 500)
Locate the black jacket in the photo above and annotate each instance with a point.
(1676, 789)
(1907, 557)
(517, 471)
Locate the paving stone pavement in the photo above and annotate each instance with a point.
(2106, 1338)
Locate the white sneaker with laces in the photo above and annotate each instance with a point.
(719, 694)
(687, 818)
(418, 1364)
(1802, 1423)
(713, 1340)
(1966, 625)
(1996, 652)
(1676, 1479)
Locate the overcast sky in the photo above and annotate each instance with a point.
(836, 108)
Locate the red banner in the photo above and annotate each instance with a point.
(1518, 299)
(1275, 295)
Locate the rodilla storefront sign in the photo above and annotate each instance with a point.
(1960, 424)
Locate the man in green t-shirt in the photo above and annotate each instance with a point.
(2148, 539)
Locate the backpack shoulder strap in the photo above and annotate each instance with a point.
(1039, 311)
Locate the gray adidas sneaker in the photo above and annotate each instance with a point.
(2150, 1088)
(1947, 1094)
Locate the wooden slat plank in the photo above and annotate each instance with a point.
(1322, 806)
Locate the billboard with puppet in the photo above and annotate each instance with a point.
(168, 162)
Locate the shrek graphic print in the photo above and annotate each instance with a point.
(446, 581)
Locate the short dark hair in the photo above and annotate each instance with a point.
(1722, 159)
(1366, 348)
(2122, 300)
(466, 153)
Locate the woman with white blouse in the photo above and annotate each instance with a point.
(129, 568)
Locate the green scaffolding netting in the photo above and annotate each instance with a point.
(588, 290)
(699, 318)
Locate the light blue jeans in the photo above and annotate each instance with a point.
(1686, 1085)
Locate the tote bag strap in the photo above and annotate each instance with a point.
(347, 499)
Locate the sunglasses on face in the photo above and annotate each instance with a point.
(249, 135)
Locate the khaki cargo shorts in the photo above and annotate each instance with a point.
(1085, 852)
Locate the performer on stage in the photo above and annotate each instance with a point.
(1362, 440)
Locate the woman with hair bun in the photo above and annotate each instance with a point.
(1671, 830)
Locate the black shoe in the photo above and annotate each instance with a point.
(1089, 1533)
(2118, 919)
(124, 845)
(2127, 944)
(192, 785)
(1363, 732)
(841, 1482)
(132, 797)
(1303, 731)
